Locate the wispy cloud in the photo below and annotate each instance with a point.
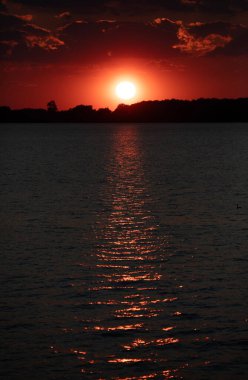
(46, 43)
(25, 17)
(192, 44)
(63, 15)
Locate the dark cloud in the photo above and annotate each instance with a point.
(222, 6)
(191, 44)
(17, 36)
(136, 7)
(221, 37)
(9, 22)
(202, 29)
(48, 43)
(119, 39)
(95, 41)
(64, 16)
(238, 45)
(2, 6)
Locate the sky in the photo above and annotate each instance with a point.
(76, 52)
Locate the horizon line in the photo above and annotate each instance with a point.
(123, 104)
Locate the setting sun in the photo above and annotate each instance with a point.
(125, 90)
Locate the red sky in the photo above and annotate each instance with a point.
(76, 53)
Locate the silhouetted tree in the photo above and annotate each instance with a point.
(174, 110)
(103, 114)
(52, 106)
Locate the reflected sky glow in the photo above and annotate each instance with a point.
(127, 275)
(121, 242)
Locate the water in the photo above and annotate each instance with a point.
(123, 252)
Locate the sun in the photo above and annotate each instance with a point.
(125, 90)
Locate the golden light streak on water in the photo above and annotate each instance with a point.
(126, 278)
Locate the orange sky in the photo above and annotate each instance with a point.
(77, 53)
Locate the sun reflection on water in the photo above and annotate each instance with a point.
(126, 280)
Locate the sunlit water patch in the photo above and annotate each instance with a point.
(123, 252)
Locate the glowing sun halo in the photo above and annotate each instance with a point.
(125, 90)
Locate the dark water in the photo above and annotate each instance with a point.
(123, 253)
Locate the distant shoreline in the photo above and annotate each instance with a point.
(175, 111)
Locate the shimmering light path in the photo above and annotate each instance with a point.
(138, 321)
(123, 254)
(128, 292)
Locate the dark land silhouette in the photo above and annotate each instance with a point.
(200, 110)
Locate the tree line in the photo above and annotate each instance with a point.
(173, 110)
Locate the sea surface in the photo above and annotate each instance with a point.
(124, 255)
